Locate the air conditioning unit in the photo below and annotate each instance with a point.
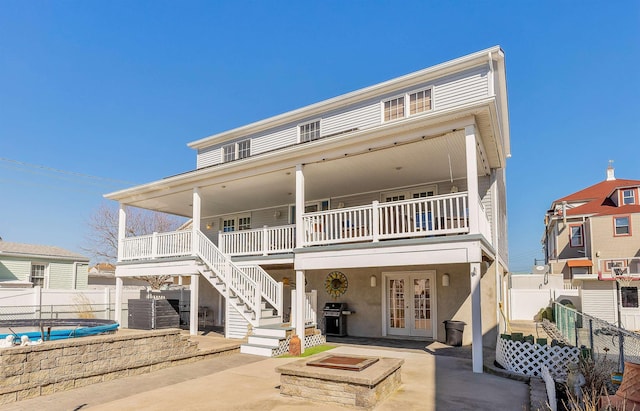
(540, 269)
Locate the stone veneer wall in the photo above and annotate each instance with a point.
(54, 366)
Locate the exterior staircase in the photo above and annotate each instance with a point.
(273, 340)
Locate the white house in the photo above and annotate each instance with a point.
(390, 199)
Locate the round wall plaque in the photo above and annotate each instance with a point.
(336, 284)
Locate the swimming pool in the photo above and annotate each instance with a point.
(56, 329)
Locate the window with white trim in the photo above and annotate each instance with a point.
(394, 109)
(309, 131)
(628, 196)
(576, 236)
(37, 274)
(622, 226)
(420, 101)
(236, 151)
(236, 223)
(228, 225)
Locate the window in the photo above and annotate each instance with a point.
(628, 196)
(37, 274)
(236, 223)
(394, 109)
(576, 237)
(309, 131)
(621, 226)
(236, 151)
(420, 102)
(629, 297)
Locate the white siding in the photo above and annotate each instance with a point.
(60, 275)
(448, 92)
(599, 299)
(235, 326)
(462, 88)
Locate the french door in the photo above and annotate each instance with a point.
(410, 303)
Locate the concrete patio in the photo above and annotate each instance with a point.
(434, 377)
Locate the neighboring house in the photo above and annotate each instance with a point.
(390, 199)
(42, 265)
(589, 238)
(103, 275)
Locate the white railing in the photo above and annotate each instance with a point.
(310, 307)
(260, 241)
(612, 268)
(239, 283)
(172, 244)
(437, 215)
(271, 289)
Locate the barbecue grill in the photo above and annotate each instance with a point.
(335, 319)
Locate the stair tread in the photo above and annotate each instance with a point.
(259, 346)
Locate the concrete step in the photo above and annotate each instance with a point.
(264, 341)
(261, 350)
(273, 330)
(270, 320)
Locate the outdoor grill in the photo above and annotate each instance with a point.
(335, 319)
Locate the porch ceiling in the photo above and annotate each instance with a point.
(430, 160)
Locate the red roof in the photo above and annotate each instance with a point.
(598, 201)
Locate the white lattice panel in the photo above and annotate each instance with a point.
(309, 341)
(528, 359)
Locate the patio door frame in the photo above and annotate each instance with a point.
(409, 276)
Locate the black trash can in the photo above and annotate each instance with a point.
(454, 331)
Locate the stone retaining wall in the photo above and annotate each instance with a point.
(54, 366)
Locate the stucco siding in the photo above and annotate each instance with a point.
(608, 245)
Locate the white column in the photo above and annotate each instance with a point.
(193, 310)
(300, 297)
(195, 224)
(300, 202)
(472, 179)
(118, 303)
(476, 318)
(122, 226)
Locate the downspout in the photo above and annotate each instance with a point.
(74, 276)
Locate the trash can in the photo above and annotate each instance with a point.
(454, 331)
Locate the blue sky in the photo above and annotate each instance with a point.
(98, 96)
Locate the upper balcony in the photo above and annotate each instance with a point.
(442, 215)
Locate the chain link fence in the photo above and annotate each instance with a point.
(603, 340)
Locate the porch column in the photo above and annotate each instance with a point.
(300, 201)
(195, 223)
(300, 303)
(118, 302)
(472, 179)
(193, 309)
(122, 227)
(476, 318)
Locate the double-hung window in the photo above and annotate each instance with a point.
(418, 102)
(236, 151)
(309, 131)
(236, 223)
(629, 196)
(576, 234)
(37, 274)
(621, 226)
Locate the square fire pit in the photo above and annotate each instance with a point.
(344, 379)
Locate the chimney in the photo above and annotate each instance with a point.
(610, 175)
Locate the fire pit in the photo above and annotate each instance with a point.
(344, 379)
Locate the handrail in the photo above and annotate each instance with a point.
(246, 289)
(270, 289)
(266, 240)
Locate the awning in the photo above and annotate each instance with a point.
(580, 263)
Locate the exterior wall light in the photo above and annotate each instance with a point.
(445, 280)
(373, 280)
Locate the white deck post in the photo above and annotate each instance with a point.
(193, 309)
(195, 224)
(472, 179)
(300, 202)
(300, 302)
(476, 318)
(122, 226)
(118, 302)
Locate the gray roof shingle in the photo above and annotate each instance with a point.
(7, 247)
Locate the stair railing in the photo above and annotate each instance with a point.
(270, 289)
